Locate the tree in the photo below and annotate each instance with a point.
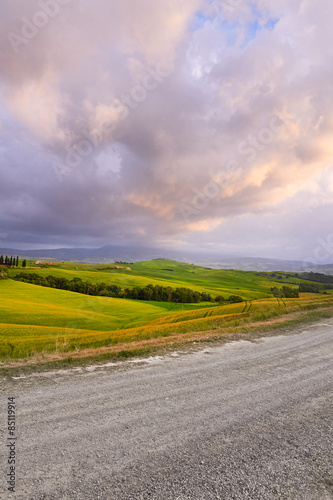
(289, 292)
(206, 297)
(24, 263)
(235, 298)
(17, 261)
(1, 260)
(276, 292)
(310, 288)
(219, 299)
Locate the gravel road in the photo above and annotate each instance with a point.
(245, 420)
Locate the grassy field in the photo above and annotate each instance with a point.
(36, 319)
(248, 285)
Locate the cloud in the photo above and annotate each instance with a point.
(117, 115)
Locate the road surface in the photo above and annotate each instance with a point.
(246, 420)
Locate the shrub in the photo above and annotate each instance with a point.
(235, 298)
(3, 274)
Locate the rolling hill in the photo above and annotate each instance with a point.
(40, 320)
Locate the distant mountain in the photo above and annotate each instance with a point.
(262, 264)
(92, 255)
(108, 254)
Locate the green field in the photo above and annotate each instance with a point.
(35, 319)
(165, 272)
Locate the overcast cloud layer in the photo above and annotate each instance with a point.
(182, 123)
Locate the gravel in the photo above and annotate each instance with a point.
(246, 420)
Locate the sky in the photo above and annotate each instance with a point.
(186, 124)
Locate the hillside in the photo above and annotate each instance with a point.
(164, 272)
(40, 320)
(112, 253)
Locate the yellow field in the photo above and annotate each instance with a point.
(42, 320)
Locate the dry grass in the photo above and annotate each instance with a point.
(251, 331)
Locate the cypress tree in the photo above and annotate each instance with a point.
(24, 263)
(1, 260)
(17, 261)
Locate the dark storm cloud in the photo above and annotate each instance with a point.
(127, 122)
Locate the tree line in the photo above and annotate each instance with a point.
(149, 292)
(286, 292)
(11, 261)
(234, 299)
(166, 294)
(317, 277)
(314, 288)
